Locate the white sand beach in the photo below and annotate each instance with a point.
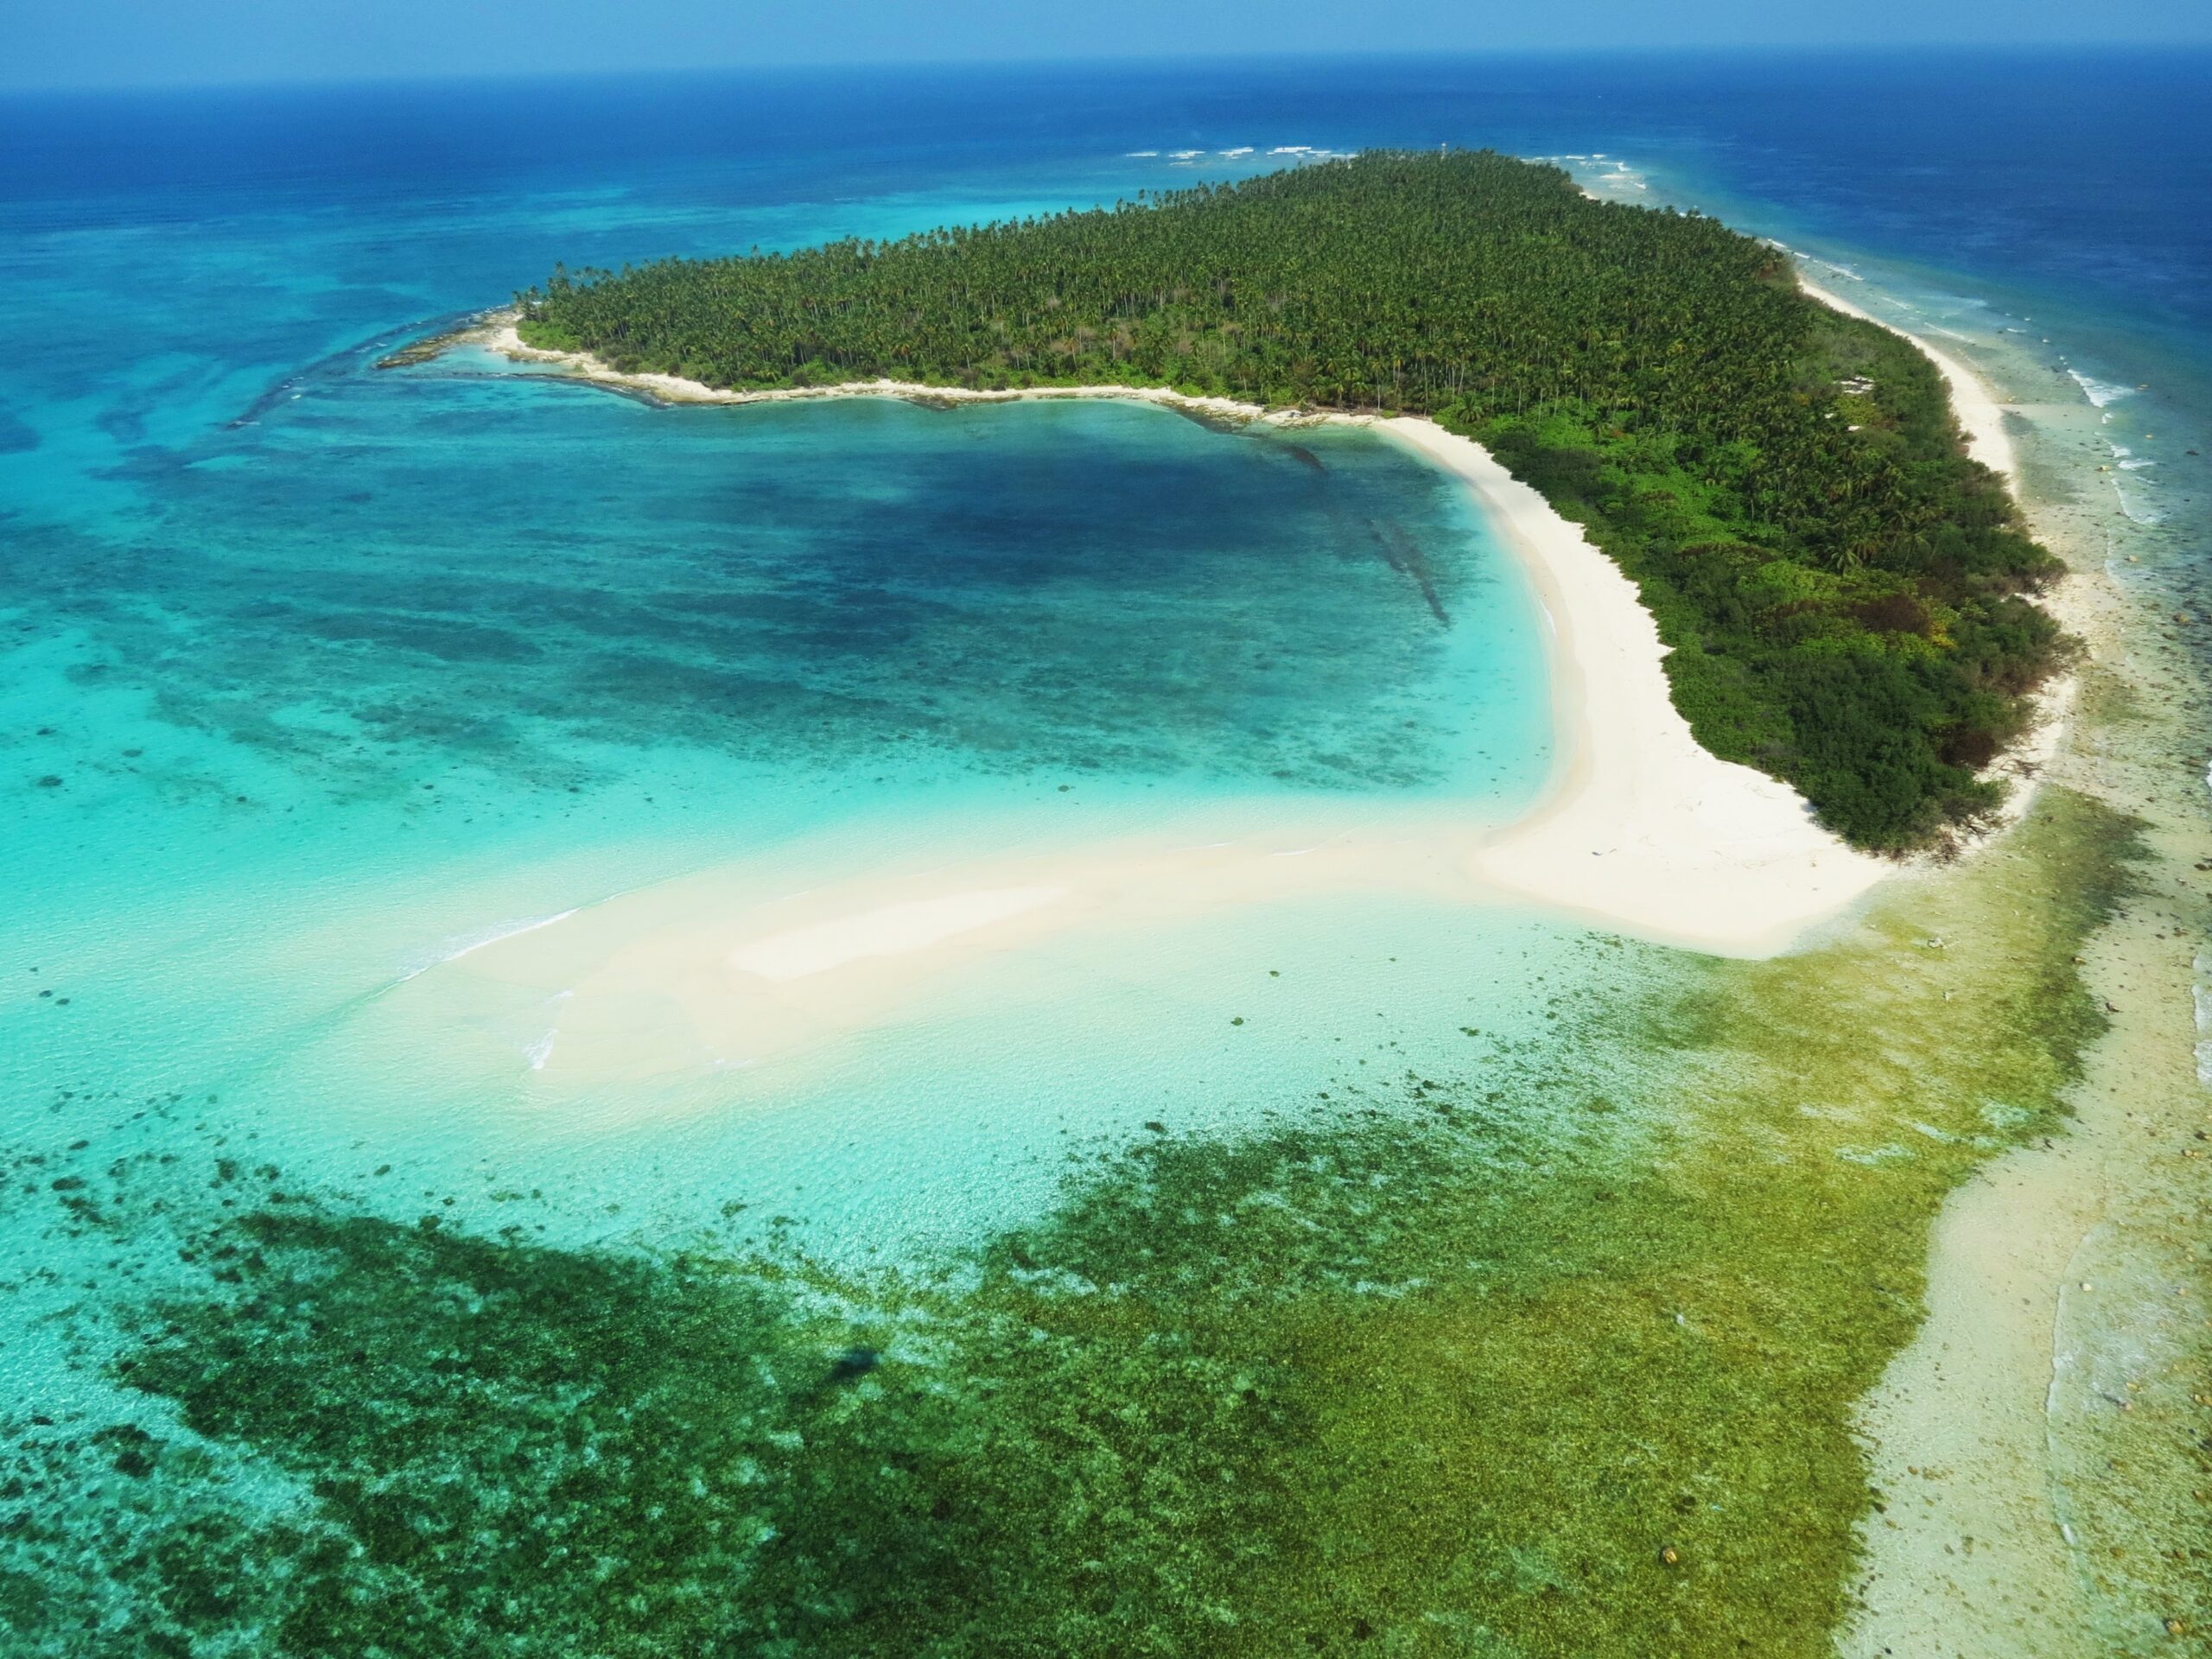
(1641, 831)
(1645, 830)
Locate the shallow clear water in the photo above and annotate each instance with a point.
(320, 679)
(318, 673)
(321, 674)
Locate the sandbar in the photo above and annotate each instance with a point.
(1640, 830)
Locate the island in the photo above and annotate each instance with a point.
(1547, 1292)
(1843, 595)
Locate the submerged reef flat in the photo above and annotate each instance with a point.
(1490, 1362)
(1342, 1272)
(2040, 1441)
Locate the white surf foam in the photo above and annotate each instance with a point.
(2102, 393)
(2204, 1021)
(461, 944)
(542, 1050)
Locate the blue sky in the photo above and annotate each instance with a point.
(55, 43)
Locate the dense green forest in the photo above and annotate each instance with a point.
(1844, 591)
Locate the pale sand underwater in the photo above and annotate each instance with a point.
(1642, 829)
(2055, 1276)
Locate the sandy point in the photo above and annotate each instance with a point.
(1644, 830)
(1641, 831)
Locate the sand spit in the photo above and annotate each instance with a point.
(1645, 830)
(2056, 1289)
(1642, 830)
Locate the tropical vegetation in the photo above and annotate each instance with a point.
(1847, 596)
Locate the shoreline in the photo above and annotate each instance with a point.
(1641, 829)
(2047, 1284)
(2024, 762)
(1978, 412)
(1643, 825)
(2056, 1291)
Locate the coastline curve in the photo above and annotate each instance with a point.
(1642, 829)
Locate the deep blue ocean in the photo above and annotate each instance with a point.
(314, 675)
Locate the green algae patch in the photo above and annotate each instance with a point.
(1511, 1364)
(1636, 1438)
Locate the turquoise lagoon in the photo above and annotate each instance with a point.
(321, 677)
(323, 684)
